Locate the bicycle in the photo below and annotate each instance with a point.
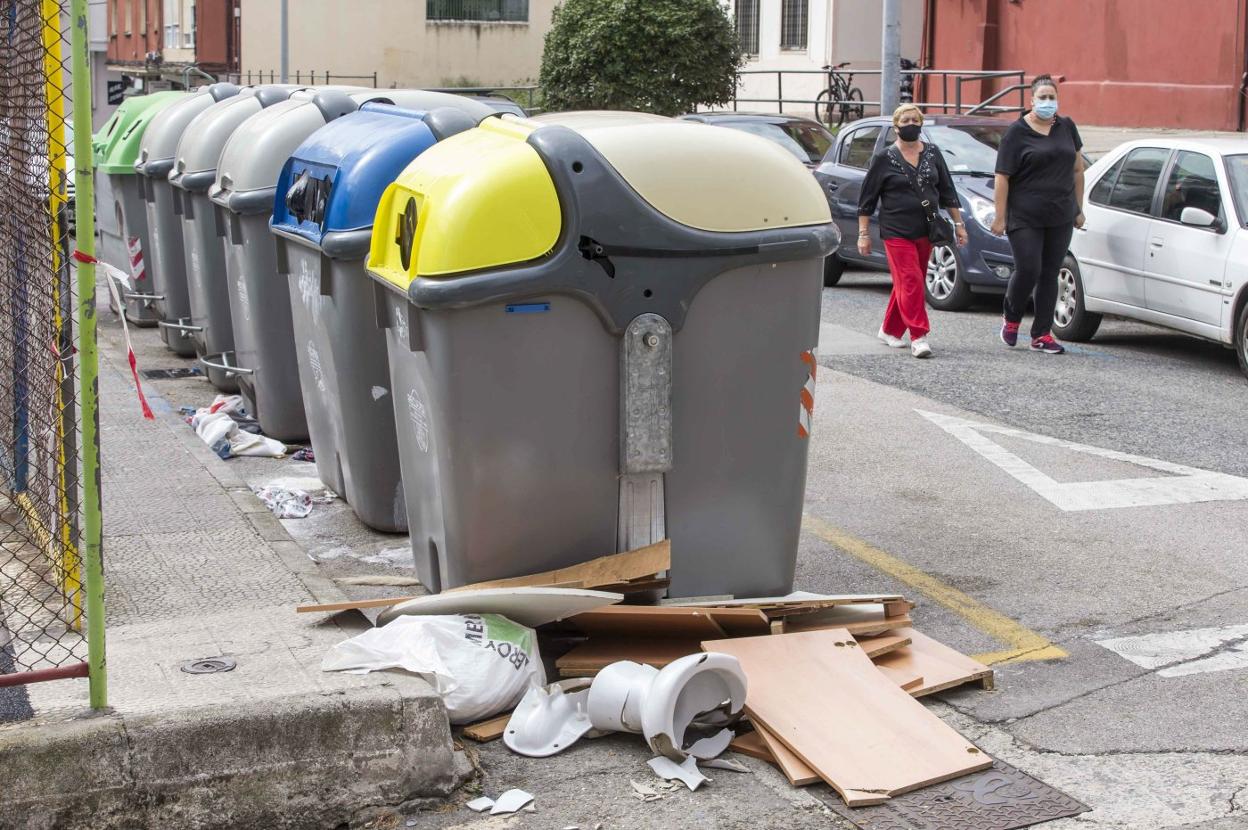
(838, 100)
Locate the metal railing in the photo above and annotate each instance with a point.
(311, 78)
(952, 83)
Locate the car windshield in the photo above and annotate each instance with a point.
(807, 142)
(1237, 172)
(970, 149)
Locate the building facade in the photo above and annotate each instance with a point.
(413, 43)
(163, 44)
(800, 37)
(1127, 63)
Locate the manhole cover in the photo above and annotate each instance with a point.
(172, 374)
(210, 665)
(999, 798)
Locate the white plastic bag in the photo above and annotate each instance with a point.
(481, 664)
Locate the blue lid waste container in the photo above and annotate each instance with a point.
(165, 259)
(323, 214)
(601, 334)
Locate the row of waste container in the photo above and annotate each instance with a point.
(524, 341)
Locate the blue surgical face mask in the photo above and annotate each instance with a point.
(1046, 108)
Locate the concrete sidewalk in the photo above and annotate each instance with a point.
(1097, 141)
(197, 567)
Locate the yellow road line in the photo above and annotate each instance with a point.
(1024, 644)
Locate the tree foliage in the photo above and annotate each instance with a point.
(660, 56)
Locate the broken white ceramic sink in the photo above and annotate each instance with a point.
(673, 708)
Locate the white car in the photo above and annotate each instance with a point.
(1165, 241)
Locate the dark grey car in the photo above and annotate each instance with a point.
(969, 144)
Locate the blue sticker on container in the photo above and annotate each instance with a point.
(527, 308)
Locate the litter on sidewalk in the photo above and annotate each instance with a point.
(226, 428)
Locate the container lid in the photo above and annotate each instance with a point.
(707, 177)
(199, 149)
(583, 119)
(252, 160)
(160, 140)
(480, 199)
(116, 145)
(340, 171)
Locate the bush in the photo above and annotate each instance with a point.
(660, 56)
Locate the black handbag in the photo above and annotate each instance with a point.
(939, 231)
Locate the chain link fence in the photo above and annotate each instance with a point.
(42, 588)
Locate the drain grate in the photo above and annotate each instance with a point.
(209, 665)
(999, 798)
(172, 374)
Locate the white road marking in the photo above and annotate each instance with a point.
(1179, 653)
(1183, 485)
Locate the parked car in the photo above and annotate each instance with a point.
(500, 102)
(808, 141)
(1165, 241)
(969, 144)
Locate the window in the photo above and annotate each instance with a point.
(1237, 172)
(745, 15)
(129, 16)
(807, 142)
(1099, 194)
(171, 36)
(1137, 181)
(512, 11)
(1192, 183)
(793, 24)
(860, 147)
(143, 17)
(189, 36)
(113, 17)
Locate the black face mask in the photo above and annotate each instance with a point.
(909, 132)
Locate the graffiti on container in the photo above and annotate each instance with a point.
(420, 419)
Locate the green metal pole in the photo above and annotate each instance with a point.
(84, 169)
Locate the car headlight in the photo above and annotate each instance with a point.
(984, 211)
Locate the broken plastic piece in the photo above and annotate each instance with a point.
(480, 805)
(548, 720)
(702, 690)
(687, 773)
(510, 802)
(725, 763)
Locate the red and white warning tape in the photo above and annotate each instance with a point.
(806, 412)
(138, 271)
(114, 276)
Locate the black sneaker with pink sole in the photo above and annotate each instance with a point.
(1045, 344)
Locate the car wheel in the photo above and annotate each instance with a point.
(945, 286)
(1071, 320)
(1241, 339)
(833, 267)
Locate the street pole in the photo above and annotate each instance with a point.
(890, 62)
(92, 532)
(285, 48)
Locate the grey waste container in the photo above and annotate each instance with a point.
(166, 263)
(124, 241)
(599, 337)
(264, 343)
(323, 217)
(194, 170)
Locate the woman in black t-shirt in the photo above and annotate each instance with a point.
(1039, 199)
(903, 223)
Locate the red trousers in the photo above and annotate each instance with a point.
(907, 308)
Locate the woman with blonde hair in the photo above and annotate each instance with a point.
(909, 182)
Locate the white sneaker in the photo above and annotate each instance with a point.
(890, 341)
(919, 348)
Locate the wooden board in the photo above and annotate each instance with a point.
(488, 730)
(904, 677)
(605, 570)
(868, 619)
(881, 644)
(670, 622)
(751, 744)
(940, 666)
(800, 603)
(794, 768)
(844, 719)
(358, 604)
(596, 653)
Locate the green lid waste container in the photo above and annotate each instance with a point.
(120, 214)
(601, 334)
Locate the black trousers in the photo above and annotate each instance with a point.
(1038, 255)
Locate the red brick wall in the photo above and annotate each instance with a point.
(1154, 63)
(129, 40)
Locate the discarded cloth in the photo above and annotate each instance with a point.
(219, 426)
(304, 454)
(481, 664)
